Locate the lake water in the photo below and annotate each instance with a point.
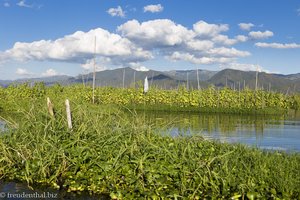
(266, 132)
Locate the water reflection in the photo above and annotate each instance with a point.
(269, 132)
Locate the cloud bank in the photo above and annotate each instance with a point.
(277, 45)
(135, 42)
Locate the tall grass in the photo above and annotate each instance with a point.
(108, 152)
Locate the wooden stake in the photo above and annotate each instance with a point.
(50, 107)
(68, 110)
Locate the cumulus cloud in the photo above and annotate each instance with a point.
(202, 45)
(134, 43)
(244, 67)
(225, 40)
(24, 72)
(153, 8)
(89, 65)
(6, 4)
(277, 45)
(203, 29)
(160, 32)
(138, 67)
(260, 35)
(50, 72)
(176, 56)
(116, 12)
(241, 38)
(79, 48)
(246, 26)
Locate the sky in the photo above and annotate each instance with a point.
(40, 38)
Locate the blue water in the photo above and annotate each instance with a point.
(265, 132)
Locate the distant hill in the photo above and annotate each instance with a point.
(235, 78)
(172, 79)
(62, 79)
(204, 75)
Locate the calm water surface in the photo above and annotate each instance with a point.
(266, 132)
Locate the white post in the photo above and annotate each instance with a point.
(68, 110)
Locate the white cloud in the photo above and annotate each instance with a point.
(6, 4)
(24, 72)
(204, 29)
(200, 45)
(298, 11)
(246, 26)
(50, 72)
(176, 56)
(243, 67)
(260, 35)
(160, 32)
(79, 48)
(136, 43)
(153, 8)
(116, 12)
(227, 52)
(89, 65)
(241, 38)
(138, 67)
(22, 3)
(277, 45)
(224, 40)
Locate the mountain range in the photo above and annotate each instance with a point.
(126, 77)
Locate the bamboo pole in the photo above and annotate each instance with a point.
(134, 79)
(94, 74)
(256, 80)
(187, 80)
(123, 78)
(198, 80)
(68, 110)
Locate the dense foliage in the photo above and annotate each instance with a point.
(211, 99)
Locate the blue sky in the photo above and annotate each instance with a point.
(53, 37)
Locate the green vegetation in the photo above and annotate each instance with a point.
(208, 100)
(109, 152)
